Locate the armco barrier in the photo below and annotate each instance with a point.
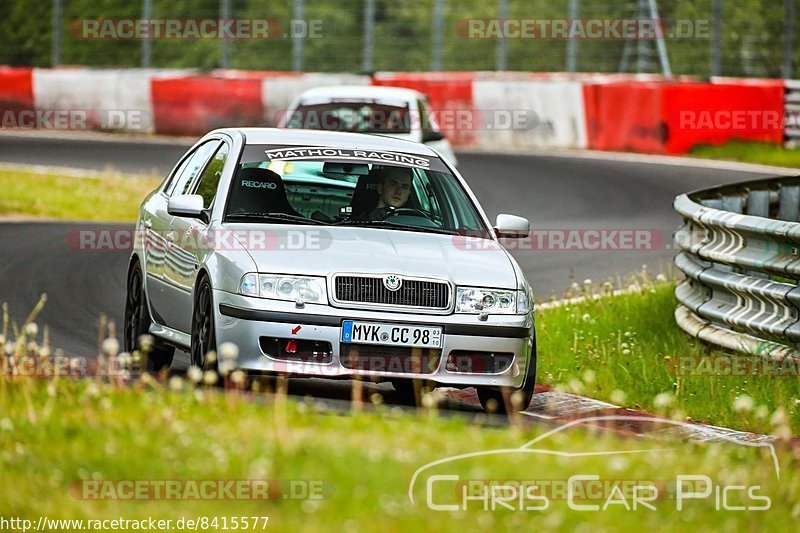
(16, 89)
(740, 253)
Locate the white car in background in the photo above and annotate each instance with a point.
(393, 111)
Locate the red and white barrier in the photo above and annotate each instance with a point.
(666, 117)
(16, 88)
(530, 114)
(109, 99)
(488, 110)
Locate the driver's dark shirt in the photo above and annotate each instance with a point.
(379, 213)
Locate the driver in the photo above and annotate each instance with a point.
(393, 187)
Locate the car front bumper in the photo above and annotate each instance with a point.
(245, 320)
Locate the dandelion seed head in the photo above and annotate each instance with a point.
(175, 383)
(238, 377)
(228, 351)
(194, 374)
(210, 377)
(743, 404)
(110, 346)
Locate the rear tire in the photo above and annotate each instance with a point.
(138, 321)
(494, 400)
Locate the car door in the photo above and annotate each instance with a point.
(189, 247)
(159, 234)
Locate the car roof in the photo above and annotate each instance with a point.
(333, 139)
(358, 92)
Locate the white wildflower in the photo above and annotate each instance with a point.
(238, 377)
(194, 374)
(175, 383)
(228, 351)
(210, 377)
(743, 404)
(663, 400)
(111, 346)
(618, 397)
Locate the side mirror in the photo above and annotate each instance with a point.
(187, 205)
(511, 226)
(431, 136)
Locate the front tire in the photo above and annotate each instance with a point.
(137, 324)
(204, 339)
(499, 401)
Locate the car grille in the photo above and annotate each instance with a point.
(412, 293)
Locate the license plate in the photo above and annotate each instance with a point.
(392, 334)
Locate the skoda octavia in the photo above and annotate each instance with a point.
(335, 255)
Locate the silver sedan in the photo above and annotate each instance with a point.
(333, 255)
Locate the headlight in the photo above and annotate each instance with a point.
(495, 302)
(300, 289)
(525, 301)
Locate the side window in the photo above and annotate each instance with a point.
(426, 195)
(209, 179)
(184, 177)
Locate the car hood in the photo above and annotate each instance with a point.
(323, 250)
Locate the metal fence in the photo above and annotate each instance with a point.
(697, 37)
(740, 253)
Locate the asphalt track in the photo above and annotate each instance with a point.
(555, 193)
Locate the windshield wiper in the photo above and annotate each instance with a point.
(275, 217)
(392, 225)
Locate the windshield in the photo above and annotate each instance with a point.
(363, 116)
(338, 186)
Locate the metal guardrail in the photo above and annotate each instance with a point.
(740, 252)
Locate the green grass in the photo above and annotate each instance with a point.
(751, 152)
(620, 349)
(51, 195)
(55, 434)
